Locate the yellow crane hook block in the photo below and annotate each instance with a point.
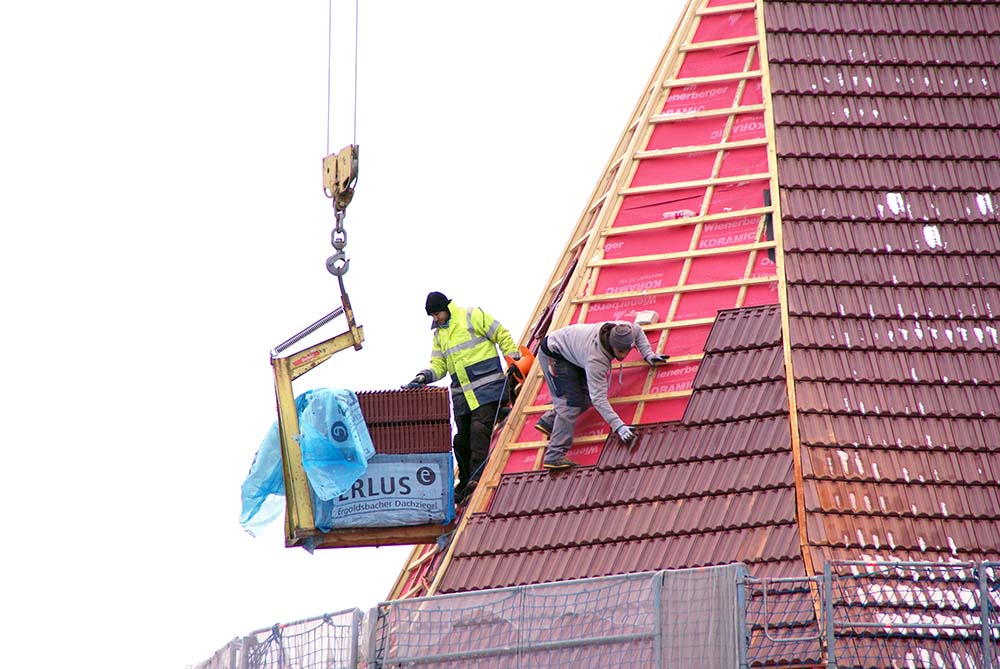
(340, 173)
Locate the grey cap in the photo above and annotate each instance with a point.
(622, 337)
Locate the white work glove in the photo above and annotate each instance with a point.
(652, 359)
(514, 355)
(625, 433)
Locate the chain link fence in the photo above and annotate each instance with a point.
(656, 619)
(874, 614)
(857, 615)
(330, 641)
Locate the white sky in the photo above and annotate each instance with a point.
(164, 227)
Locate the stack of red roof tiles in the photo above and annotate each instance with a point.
(408, 421)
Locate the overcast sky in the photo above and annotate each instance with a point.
(164, 227)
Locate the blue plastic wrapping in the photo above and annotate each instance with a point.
(334, 439)
(336, 447)
(263, 491)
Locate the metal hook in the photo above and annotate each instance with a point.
(337, 264)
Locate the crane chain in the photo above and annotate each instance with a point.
(338, 264)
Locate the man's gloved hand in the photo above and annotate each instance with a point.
(419, 381)
(653, 359)
(514, 355)
(625, 433)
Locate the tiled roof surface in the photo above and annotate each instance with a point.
(686, 494)
(892, 258)
(886, 131)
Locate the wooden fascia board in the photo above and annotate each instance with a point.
(420, 554)
(793, 422)
(786, 338)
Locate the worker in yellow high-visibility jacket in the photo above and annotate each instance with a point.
(465, 346)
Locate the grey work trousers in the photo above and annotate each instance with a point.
(570, 397)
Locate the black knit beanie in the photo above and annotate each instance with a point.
(436, 302)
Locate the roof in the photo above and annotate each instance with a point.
(710, 490)
(812, 214)
(892, 262)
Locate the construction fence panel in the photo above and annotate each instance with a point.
(990, 607)
(227, 657)
(784, 621)
(870, 615)
(329, 641)
(920, 614)
(651, 619)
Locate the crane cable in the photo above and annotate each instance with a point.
(329, 74)
(338, 264)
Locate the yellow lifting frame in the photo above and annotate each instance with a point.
(300, 524)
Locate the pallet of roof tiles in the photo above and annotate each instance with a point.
(414, 420)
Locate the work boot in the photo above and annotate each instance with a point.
(559, 464)
(543, 427)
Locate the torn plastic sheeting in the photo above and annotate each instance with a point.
(336, 448)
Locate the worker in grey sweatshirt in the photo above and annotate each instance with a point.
(576, 361)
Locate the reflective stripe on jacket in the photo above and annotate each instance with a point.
(466, 349)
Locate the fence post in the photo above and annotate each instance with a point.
(831, 658)
(741, 614)
(244, 653)
(356, 617)
(374, 632)
(234, 653)
(658, 581)
(984, 616)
